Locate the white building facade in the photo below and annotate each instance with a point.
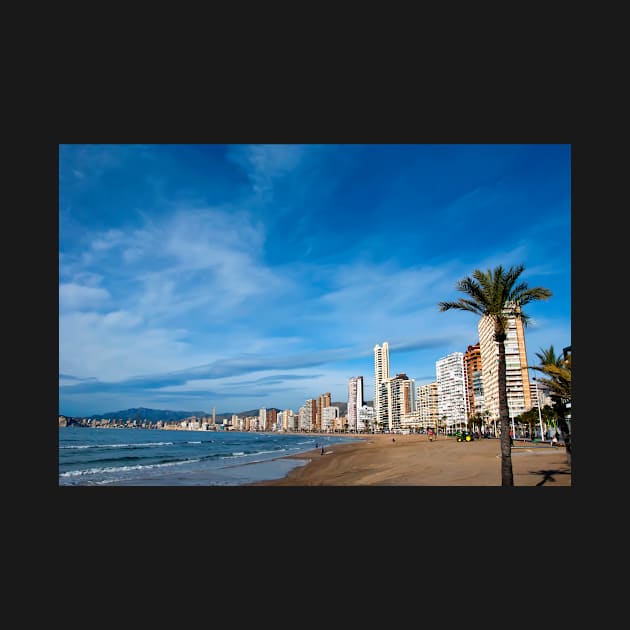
(451, 389)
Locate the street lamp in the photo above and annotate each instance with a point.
(508, 390)
(542, 435)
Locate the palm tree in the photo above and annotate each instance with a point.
(558, 371)
(496, 294)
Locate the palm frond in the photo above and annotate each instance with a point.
(463, 305)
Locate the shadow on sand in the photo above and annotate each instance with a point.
(548, 475)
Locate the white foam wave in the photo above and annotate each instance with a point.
(96, 471)
(278, 450)
(199, 442)
(120, 445)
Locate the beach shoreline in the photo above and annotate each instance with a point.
(413, 460)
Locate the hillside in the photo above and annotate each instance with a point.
(153, 415)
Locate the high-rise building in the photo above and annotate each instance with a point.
(355, 401)
(302, 420)
(365, 418)
(310, 414)
(428, 412)
(474, 382)
(399, 395)
(261, 425)
(322, 402)
(381, 372)
(451, 387)
(271, 420)
(517, 379)
(329, 415)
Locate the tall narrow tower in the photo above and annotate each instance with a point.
(381, 373)
(517, 379)
(355, 400)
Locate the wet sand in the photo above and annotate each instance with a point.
(412, 460)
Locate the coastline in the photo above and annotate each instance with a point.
(412, 460)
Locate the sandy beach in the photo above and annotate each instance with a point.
(412, 460)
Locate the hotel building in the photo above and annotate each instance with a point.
(398, 396)
(355, 401)
(451, 388)
(474, 379)
(381, 373)
(517, 379)
(322, 402)
(427, 403)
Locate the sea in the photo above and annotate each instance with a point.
(154, 457)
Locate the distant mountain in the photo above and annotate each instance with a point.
(153, 415)
(343, 407)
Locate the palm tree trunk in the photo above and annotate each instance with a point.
(507, 477)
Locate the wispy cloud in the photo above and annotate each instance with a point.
(265, 164)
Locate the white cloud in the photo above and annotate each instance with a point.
(108, 240)
(77, 297)
(264, 164)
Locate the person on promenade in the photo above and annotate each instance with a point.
(430, 435)
(554, 439)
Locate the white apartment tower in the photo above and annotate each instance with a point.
(262, 419)
(428, 413)
(517, 379)
(355, 401)
(451, 388)
(329, 415)
(381, 373)
(400, 400)
(365, 418)
(310, 414)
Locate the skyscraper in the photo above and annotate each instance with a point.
(310, 414)
(428, 406)
(474, 383)
(322, 402)
(451, 386)
(355, 401)
(381, 373)
(400, 399)
(517, 378)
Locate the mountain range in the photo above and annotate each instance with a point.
(153, 415)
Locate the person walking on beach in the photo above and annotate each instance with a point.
(322, 451)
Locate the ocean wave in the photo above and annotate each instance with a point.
(142, 444)
(108, 469)
(252, 453)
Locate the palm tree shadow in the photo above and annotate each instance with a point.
(548, 475)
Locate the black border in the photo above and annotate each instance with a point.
(307, 516)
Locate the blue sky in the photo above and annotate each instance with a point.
(247, 276)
